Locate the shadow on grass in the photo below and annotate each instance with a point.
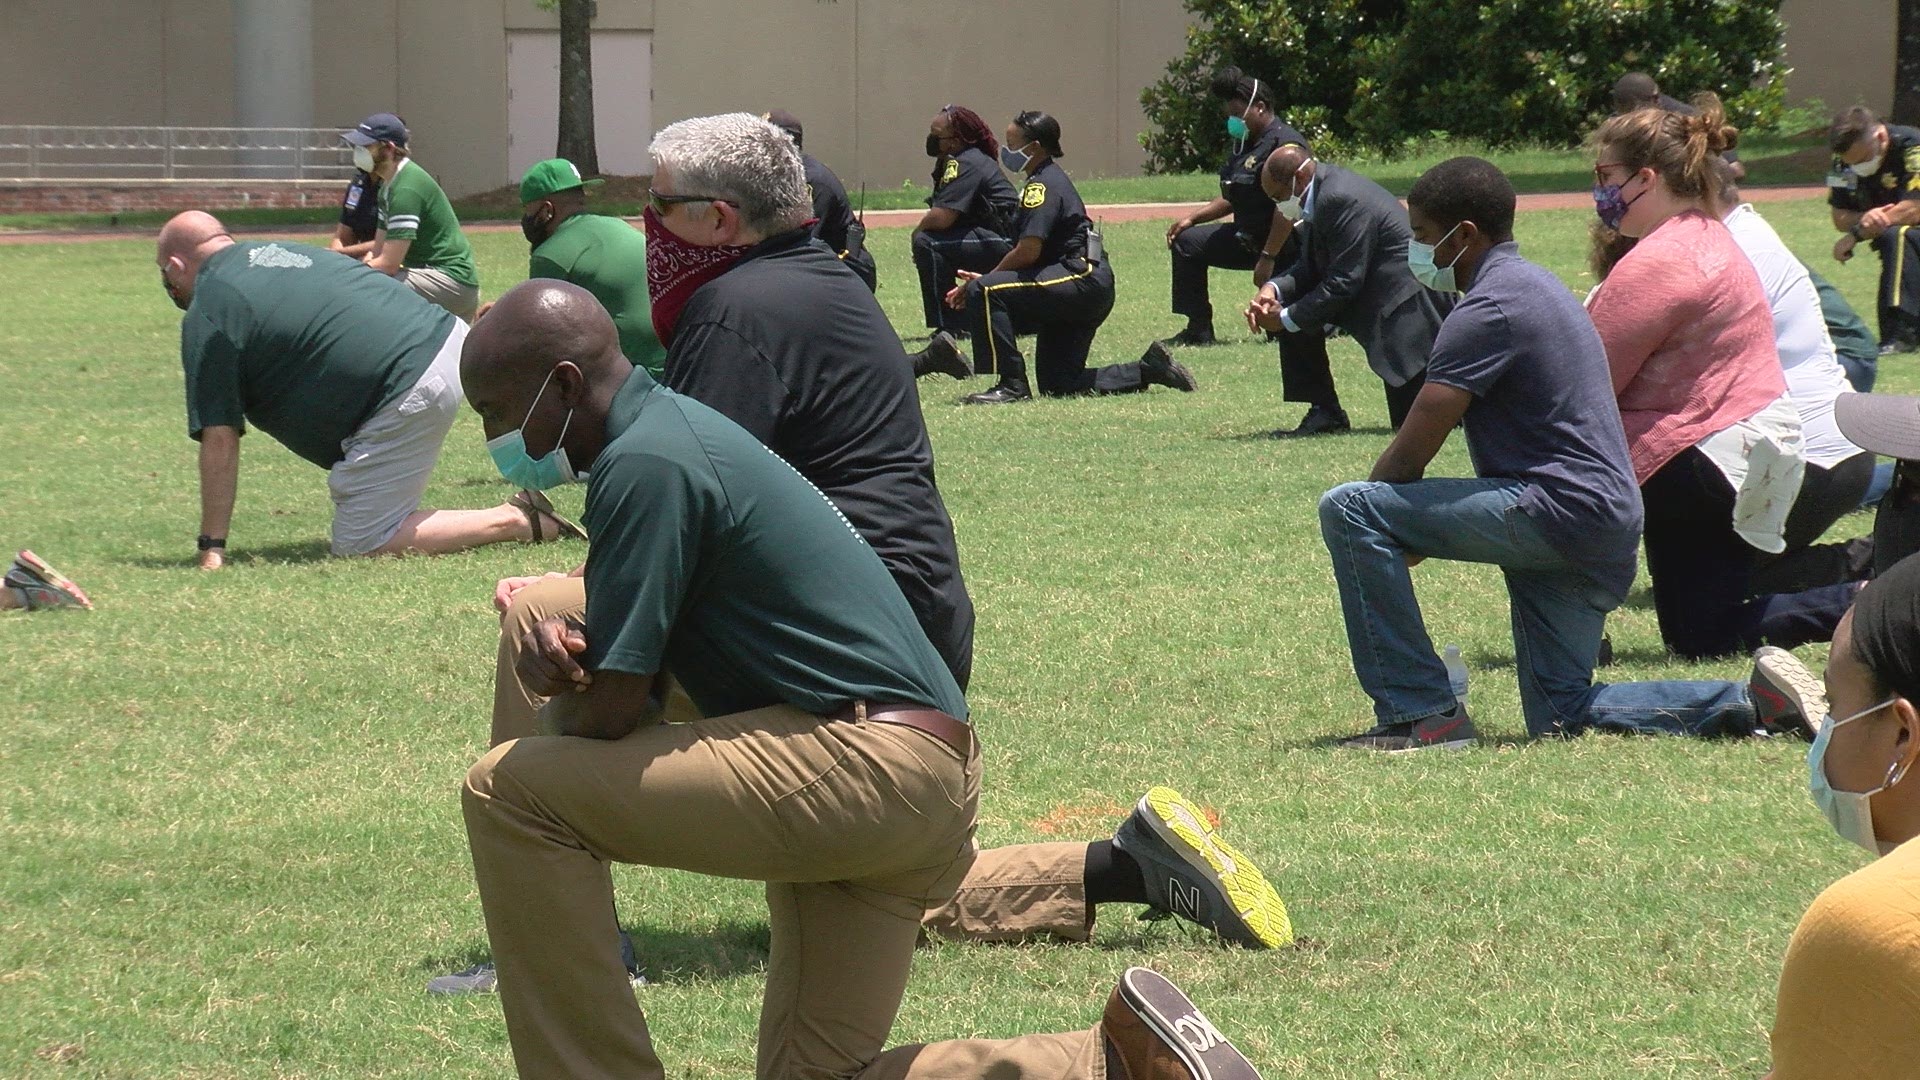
(299, 551)
(1272, 435)
(729, 950)
(1635, 654)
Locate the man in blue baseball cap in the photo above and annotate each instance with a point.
(419, 239)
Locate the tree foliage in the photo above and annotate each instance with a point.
(1381, 75)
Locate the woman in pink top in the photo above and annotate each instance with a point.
(1714, 438)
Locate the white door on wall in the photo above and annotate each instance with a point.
(622, 98)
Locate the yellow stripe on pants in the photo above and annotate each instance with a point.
(993, 348)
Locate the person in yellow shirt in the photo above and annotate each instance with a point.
(1849, 997)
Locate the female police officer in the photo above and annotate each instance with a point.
(1050, 284)
(1256, 238)
(968, 215)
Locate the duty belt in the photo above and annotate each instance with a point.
(957, 734)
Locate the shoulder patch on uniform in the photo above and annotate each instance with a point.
(951, 172)
(1033, 195)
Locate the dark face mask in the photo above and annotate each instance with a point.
(933, 145)
(533, 228)
(179, 301)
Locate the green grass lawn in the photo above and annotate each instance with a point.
(1770, 160)
(232, 841)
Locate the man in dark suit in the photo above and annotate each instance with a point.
(1350, 272)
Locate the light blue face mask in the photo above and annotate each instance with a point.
(1849, 812)
(1420, 261)
(509, 453)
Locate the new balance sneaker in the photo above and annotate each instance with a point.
(42, 585)
(1787, 698)
(1447, 731)
(482, 979)
(1193, 873)
(1153, 1031)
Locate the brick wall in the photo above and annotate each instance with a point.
(22, 196)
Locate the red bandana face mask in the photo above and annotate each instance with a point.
(676, 269)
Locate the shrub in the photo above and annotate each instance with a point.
(1379, 76)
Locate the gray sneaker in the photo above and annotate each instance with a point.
(1193, 873)
(1447, 731)
(481, 979)
(1787, 698)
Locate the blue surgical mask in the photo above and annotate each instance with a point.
(1015, 160)
(1420, 261)
(509, 453)
(1849, 812)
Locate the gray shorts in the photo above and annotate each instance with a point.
(435, 287)
(389, 460)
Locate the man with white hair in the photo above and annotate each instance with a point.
(768, 329)
(344, 366)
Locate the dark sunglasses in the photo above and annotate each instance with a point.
(661, 203)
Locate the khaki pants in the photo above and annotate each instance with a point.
(858, 829)
(439, 288)
(1019, 893)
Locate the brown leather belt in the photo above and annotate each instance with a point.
(957, 734)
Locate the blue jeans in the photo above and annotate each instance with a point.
(1557, 612)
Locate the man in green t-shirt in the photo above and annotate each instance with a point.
(419, 239)
(603, 255)
(344, 367)
(833, 759)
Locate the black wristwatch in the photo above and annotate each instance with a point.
(1855, 232)
(209, 543)
(1269, 255)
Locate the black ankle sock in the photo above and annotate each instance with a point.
(1113, 877)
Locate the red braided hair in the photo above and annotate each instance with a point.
(971, 130)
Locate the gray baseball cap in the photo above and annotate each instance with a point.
(1883, 423)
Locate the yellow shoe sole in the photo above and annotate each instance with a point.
(1254, 899)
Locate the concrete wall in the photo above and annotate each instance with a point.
(1841, 51)
(865, 75)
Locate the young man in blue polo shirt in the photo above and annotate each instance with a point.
(1554, 503)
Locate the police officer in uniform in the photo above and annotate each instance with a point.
(1256, 238)
(834, 224)
(359, 216)
(1051, 284)
(1874, 191)
(968, 215)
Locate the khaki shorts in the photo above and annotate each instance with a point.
(389, 460)
(435, 287)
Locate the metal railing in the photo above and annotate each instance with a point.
(59, 151)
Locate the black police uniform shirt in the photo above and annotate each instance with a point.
(797, 351)
(1240, 181)
(972, 186)
(1050, 208)
(1897, 180)
(832, 211)
(360, 207)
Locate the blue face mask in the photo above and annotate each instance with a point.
(509, 453)
(1015, 160)
(1420, 261)
(1849, 812)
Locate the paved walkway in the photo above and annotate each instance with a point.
(888, 219)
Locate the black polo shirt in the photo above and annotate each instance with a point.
(1050, 208)
(830, 205)
(971, 185)
(1897, 180)
(360, 206)
(1240, 181)
(793, 348)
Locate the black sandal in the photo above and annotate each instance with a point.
(536, 505)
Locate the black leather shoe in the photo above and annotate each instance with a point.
(999, 395)
(1319, 420)
(1192, 337)
(1898, 345)
(1157, 366)
(942, 355)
